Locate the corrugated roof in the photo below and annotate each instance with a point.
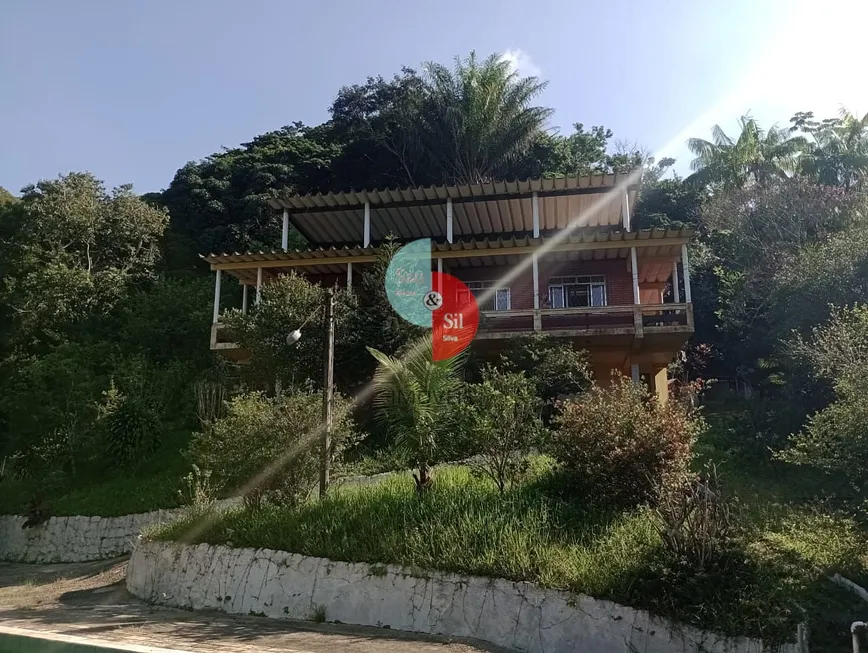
(581, 237)
(478, 209)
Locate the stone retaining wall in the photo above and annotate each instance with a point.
(78, 538)
(517, 615)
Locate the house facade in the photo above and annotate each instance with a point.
(553, 256)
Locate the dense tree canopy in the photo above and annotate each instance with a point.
(105, 308)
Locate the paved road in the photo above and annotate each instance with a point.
(90, 600)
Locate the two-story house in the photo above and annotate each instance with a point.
(556, 256)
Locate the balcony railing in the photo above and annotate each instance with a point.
(589, 321)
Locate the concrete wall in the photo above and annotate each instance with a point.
(517, 615)
(77, 538)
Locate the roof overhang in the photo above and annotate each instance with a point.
(660, 246)
(495, 208)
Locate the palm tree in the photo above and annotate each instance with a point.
(756, 156)
(479, 117)
(839, 156)
(413, 393)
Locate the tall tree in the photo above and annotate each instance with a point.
(755, 156)
(219, 204)
(479, 118)
(838, 155)
(377, 125)
(71, 250)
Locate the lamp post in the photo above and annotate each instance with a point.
(328, 385)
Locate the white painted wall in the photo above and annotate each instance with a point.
(78, 538)
(518, 615)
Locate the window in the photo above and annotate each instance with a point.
(499, 301)
(576, 292)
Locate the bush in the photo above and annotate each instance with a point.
(836, 438)
(693, 519)
(556, 368)
(130, 428)
(618, 447)
(501, 417)
(270, 446)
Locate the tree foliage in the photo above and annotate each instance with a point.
(413, 395)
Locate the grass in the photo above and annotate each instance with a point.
(153, 486)
(775, 576)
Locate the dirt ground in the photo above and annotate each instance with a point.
(90, 600)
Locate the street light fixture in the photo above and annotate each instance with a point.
(328, 384)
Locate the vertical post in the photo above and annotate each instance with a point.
(449, 220)
(686, 267)
(349, 277)
(244, 299)
(217, 296)
(857, 631)
(258, 285)
(367, 228)
(625, 211)
(327, 393)
(535, 205)
(676, 291)
(634, 373)
(537, 316)
(635, 268)
(439, 278)
(285, 240)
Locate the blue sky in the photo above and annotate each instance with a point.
(132, 90)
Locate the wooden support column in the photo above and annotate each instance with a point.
(217, 297)
(244, 299)
(676, 291)
(625, 211)
(366, 242)
(285, 239)
(535, 205)
(660, 382)
(686, 266)
(635, 269)
(349, 277)
(537, 316)
(327, 393)
(258, 285)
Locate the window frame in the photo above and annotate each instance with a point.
(486, 284)
(589, 281)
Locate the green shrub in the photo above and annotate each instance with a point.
(618, 447)
(836, 438)
(555, 367)
(501, 416)
(130, 427)
(269, 447)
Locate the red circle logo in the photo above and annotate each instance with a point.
(456, 320)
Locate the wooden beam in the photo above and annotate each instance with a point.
(294, 263)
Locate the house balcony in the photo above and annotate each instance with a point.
(585, 322)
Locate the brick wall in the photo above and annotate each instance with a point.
(619, 284)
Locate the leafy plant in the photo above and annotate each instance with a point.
(694, 519)
(618, 447)
(412, 397)
(269, 448)
(130, 427)
(501, 417)
(556, 368)
(198, 492)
